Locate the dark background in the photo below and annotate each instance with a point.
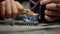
(22, 0)
(16, 0)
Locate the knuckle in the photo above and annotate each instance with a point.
(16, 12)
(58, 6)
(48, 12)
(48, 5)
(51, 6)
(48, 18)
(2, 2)
(9, 13)
(45, 11)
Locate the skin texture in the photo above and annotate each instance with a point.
(3, 9)
(52, 11)
(8, 11)
(14, 9)
(11, 8)
(20, 8)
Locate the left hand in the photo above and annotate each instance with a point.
(52, 11)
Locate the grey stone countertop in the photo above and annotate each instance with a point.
(21, 28)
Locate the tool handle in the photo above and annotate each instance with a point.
(43, 8)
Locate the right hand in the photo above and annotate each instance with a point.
(11, 9)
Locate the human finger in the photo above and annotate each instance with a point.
(52, 13)
(51, 6)
(3, 9)
(20, 8)
(8, 8)
(43, 2)
(14, 9)
(50, 19)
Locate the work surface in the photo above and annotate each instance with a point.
(18, 28)
(23, 28)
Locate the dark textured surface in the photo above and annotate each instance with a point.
(54, 31)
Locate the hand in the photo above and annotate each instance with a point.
(52, 11)
(28, 11)
(11, 8)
